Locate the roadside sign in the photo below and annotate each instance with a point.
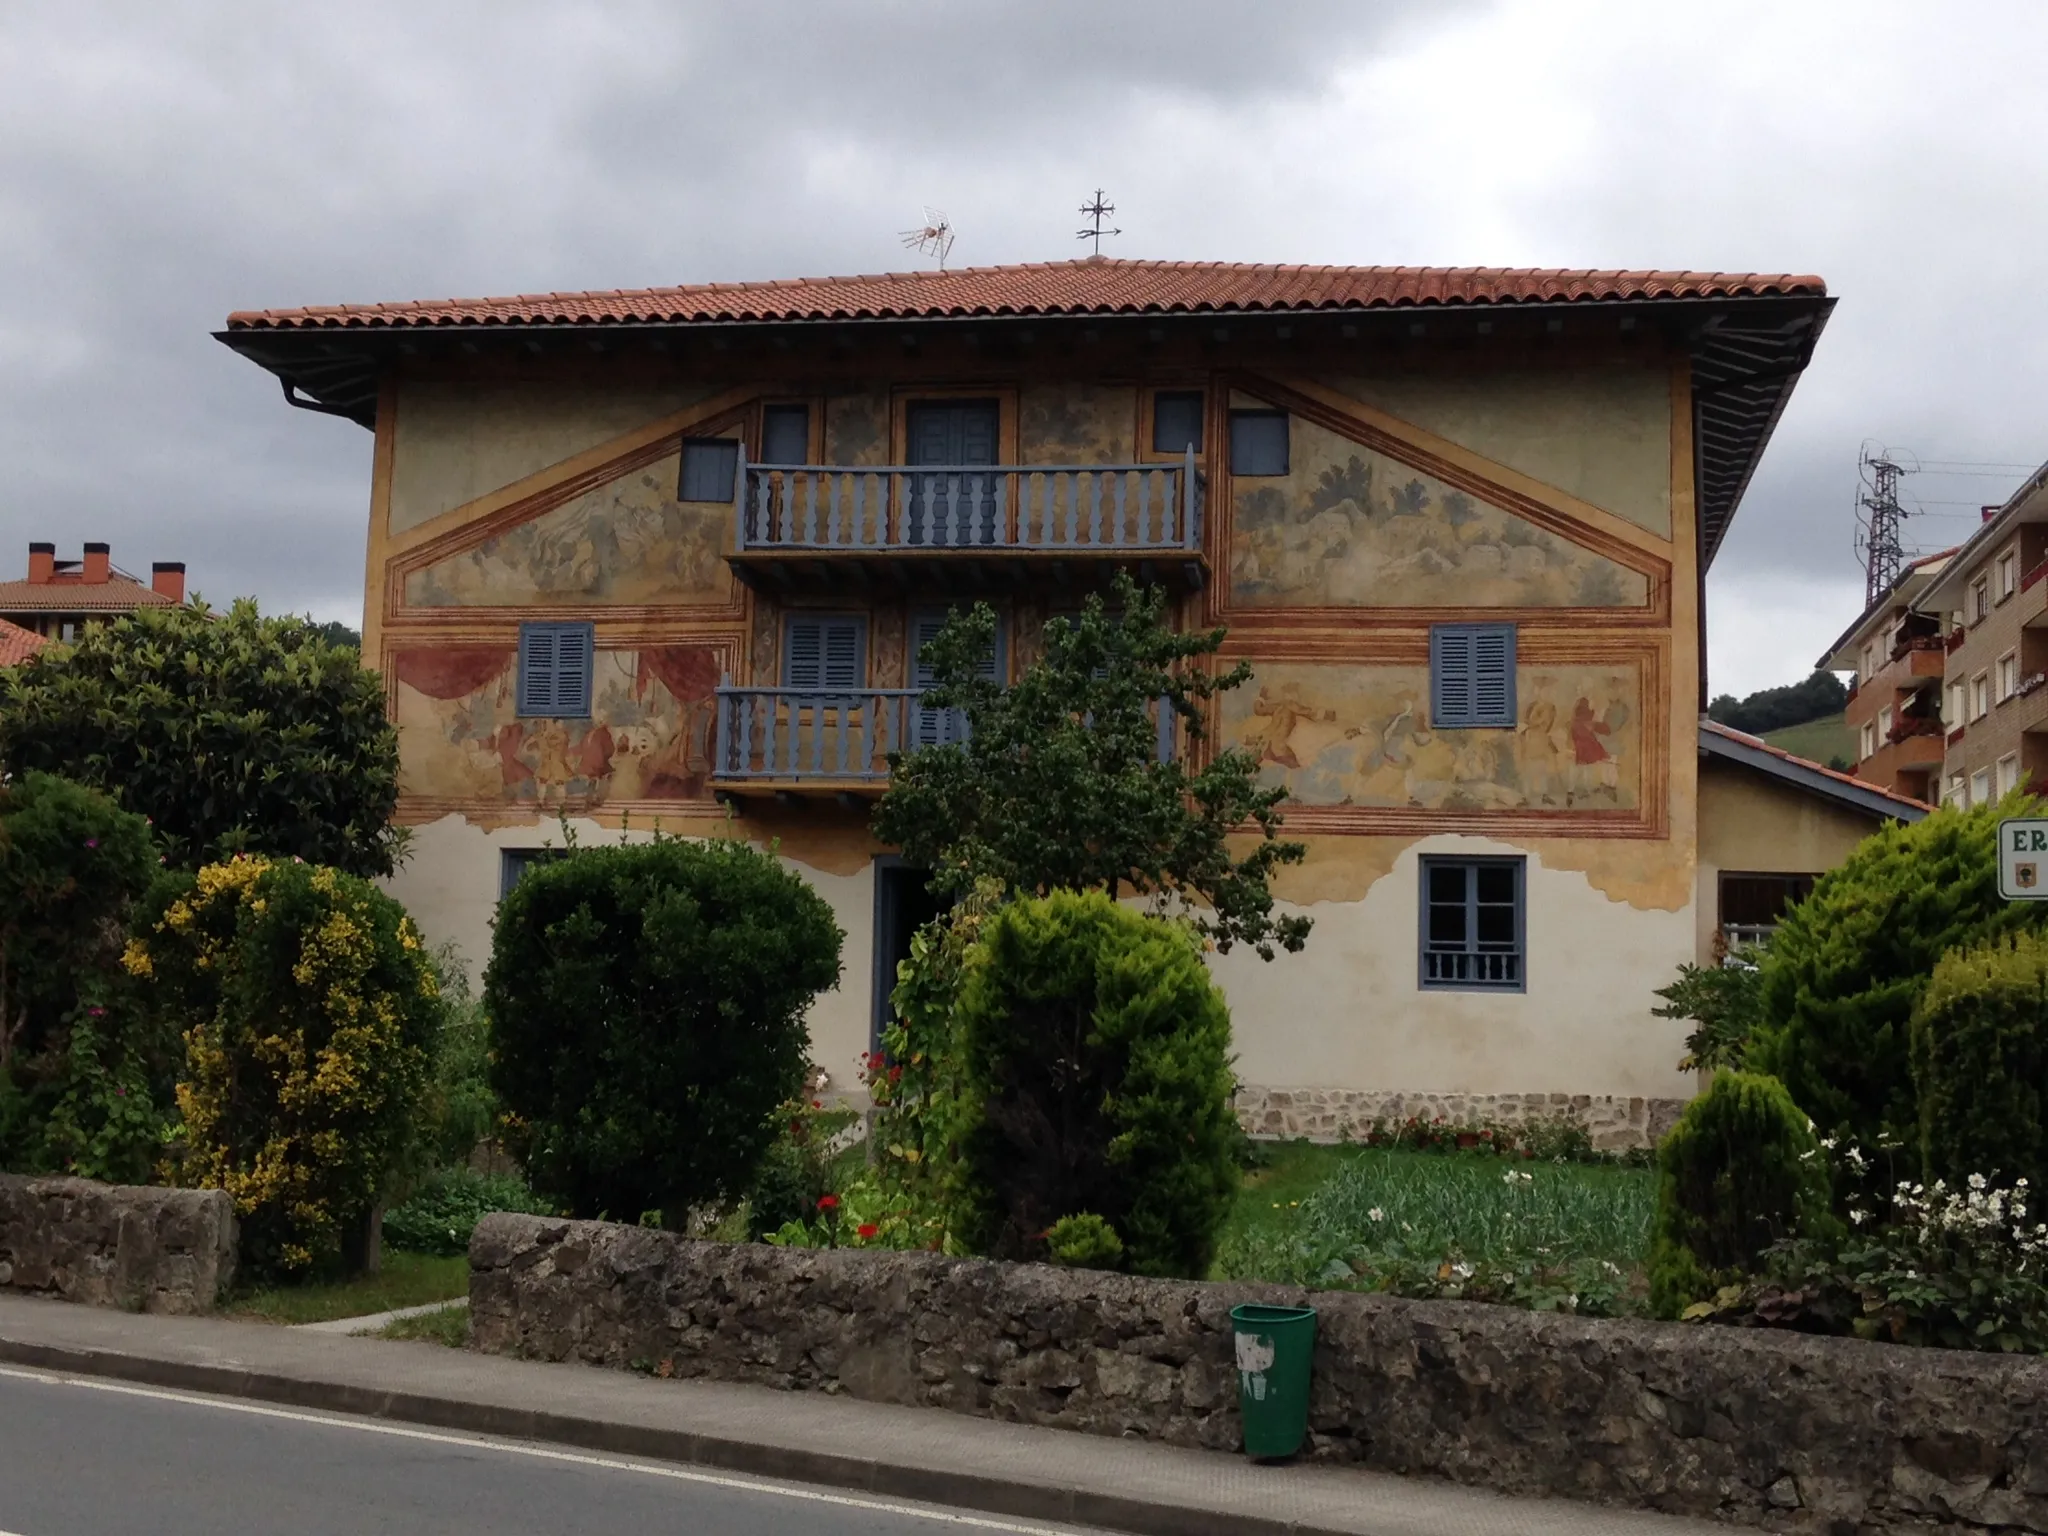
(2023, 858)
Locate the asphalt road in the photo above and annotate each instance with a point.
(89, 1458)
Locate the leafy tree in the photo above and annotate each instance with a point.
(1847, 966)
(1724, 1003)
(1059, 783)
(334, 632)
(1096, 1054)
(647, 1015)
(231, 732)
(1980, 1061)
(1772, 709)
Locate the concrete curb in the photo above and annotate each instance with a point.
(965, 1490)
(371, 1322)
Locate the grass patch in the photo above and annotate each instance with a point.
(446, 1325)
(406, 1280)
(1819, 740)
(1556, 1236)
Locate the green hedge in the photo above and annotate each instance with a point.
(1980, 1059)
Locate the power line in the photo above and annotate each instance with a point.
(1878, 533)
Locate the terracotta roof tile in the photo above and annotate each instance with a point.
(18, 644)
(1094, 286)
(117, 594)
(1850, 779)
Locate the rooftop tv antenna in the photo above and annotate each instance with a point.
(935, 239)
(1879, 520)
(1097, 211)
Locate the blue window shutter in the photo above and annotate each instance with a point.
(536, 669)
(825, 653)
(785, 434)
(573, 657)
(1472, 675)
(554, 670)
(1258, 443)
(710, 466)
(803, 654)
(842, 660)
(1177, 421)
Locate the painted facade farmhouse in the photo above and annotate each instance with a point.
(669, 556)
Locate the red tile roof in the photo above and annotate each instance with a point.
(1093, 286)
(66, 593)
(1808, 763)
(18, 644)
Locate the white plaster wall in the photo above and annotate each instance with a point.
(450, 886)
(1603, 434)
(451, 443)
(1347, 1011)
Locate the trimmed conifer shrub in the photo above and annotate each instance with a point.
(1740, 1171)
(647, 1012)
(1980, 1060)
(1096, 1065)
(1848, 965)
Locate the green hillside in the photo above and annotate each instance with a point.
(1821, 740)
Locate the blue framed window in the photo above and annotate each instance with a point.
(825, 652)
(1473, 925)
(1258, 443)
(1471, 675)
(711, 467)
(554, 670)
(1177, 421)
(513, 864)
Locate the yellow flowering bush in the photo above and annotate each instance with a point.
(310, 1013)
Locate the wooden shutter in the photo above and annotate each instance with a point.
(932, 726)
(554, 670)
(572, 671)
(1472, 675)
(710, 467)
(786, 434)
(537, 669)
(823, 653)
(1258, 443)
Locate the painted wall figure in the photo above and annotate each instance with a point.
(1361, 735)
(1349, 527)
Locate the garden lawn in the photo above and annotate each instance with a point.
(1556, 1236)
(406, 1280)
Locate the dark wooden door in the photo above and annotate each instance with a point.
(956, 507)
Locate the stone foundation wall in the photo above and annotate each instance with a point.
(1323, 1114)
(1825, 1436)
(145, 1250)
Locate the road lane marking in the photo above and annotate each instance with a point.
(546, 1453)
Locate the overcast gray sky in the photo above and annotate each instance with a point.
(162, 164)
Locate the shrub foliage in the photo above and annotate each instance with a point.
(1848, 964)
(1980, 1061)
(233, 733)
(1741, 1170)
(310, 1014)
(647, 1012)
(1096, 1058)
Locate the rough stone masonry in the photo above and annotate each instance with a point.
(146, 1250)
(1829, 1436)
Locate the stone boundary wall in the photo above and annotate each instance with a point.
(106, 1245)
(1811, 1435)
(1614, 1123)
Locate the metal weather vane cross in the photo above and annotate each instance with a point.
(1097, 211)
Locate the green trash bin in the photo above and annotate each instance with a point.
(1275, 1346)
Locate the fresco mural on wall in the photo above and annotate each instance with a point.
(1335, 734)
(857, 429)
(460, 736)
(626, 543)
(1349, 527)
(1076, 424)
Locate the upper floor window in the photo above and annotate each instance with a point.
(2008, 773)
(1870, 661)
(1472, 924)
(1955, 794)
(554, 670)
(1980, 787)
(786, 434)
(1471, 675)
(1869, 738)
(1954, 716)
(2008, 578)
(710, 466)
(825, 652)
(1980, 599)
(2008, 675)
(1980, 695)
(1258, 442)
(1884, 723)
(1177, 422)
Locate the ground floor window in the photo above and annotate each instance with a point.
(513, 863)
(1472, 928)
(1752, 905)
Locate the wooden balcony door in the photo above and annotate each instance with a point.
(953, 509)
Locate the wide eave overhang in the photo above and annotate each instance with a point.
(1747, 349)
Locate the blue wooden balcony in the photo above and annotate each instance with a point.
(970, 527)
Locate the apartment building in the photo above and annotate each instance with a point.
(1894, 711)
(1991, 599)
(672, 554)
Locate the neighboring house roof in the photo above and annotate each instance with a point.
(1749, 335)
(1086, 287)
(1912, 581)
(1718, 740)
(65, 593)
(18, 644)
(2028, 504)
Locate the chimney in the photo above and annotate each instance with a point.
(42, 563)
(167, 579)
(1991, 512)
(96, 564)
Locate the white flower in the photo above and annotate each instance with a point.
(1827, 1141)
(1859, 1217)
(1462, 1271)
(1376, 1214)
(1976, 1181)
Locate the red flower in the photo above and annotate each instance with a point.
(895, 1074)
(817, 1103)
(828, 1202)
(867, 1229)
